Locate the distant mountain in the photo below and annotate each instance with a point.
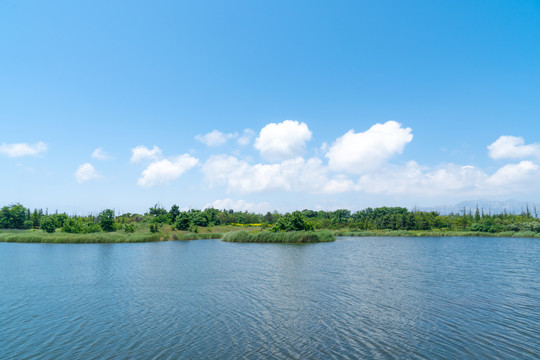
(489, 206)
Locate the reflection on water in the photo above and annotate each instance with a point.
(355, 298)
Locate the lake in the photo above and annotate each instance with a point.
(369, 298)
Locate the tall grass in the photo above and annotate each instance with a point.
(194, 236)
(59, 237)
(293, 237)
(435, 233)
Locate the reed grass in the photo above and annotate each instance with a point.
(195, 236)
(59, 237)
(435, 233)
(292, 237)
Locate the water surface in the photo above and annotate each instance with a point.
(379, 298)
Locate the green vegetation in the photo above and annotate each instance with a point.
(159, 224)
(60, 237)
(292, 237)
(292, 222)
(433, 233)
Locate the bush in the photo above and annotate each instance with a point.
(78, 226)
(293, 222)
(154, 228)
(182, 221)
(47, 224)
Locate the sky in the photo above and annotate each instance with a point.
(268, 105)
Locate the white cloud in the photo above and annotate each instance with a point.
(246, 137)
(512, 147)
(412, 179)
(295, 174)
(361, 152)
(450, 180)
(141, 152)
(514, 174)
(215, 138)
(164, 171)
(405, 181)
(86, 172)
(23, 149)
(100, 154)
(282, 141)
(339, 184)
(240, 205)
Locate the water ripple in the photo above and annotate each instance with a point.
(376, 298)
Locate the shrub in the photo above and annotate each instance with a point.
(154, 228)
(293, 222)
(182, 222)
(47, 224)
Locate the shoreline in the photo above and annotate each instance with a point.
(255, 236)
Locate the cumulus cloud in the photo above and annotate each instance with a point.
(295, 174)
(215, 138)
(411, 179)
(450, 180)
(100, 154)
(240, 205)
(512, 147)
(141, 152)
(86, 172)
(23, 149)
(282, 141)
(514, 174)
(361, 152)
(164, 171)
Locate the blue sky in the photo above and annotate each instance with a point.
(262, 105)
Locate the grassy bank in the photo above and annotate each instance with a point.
(59, 237)
(232, 234)
(195, 236)
(435, 233)
(294, 237)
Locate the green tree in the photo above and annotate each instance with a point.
(199, 218)
(292, 222)
(13, 217)
(175, 211)
(183, 221)
(106, 220)
(47, 224)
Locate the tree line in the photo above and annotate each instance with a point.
(16, 216)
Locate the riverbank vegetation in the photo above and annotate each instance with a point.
(20, 224)
(290, 237)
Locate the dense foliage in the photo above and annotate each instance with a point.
(292, 222)
(16, 216)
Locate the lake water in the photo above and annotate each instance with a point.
(379, 298)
